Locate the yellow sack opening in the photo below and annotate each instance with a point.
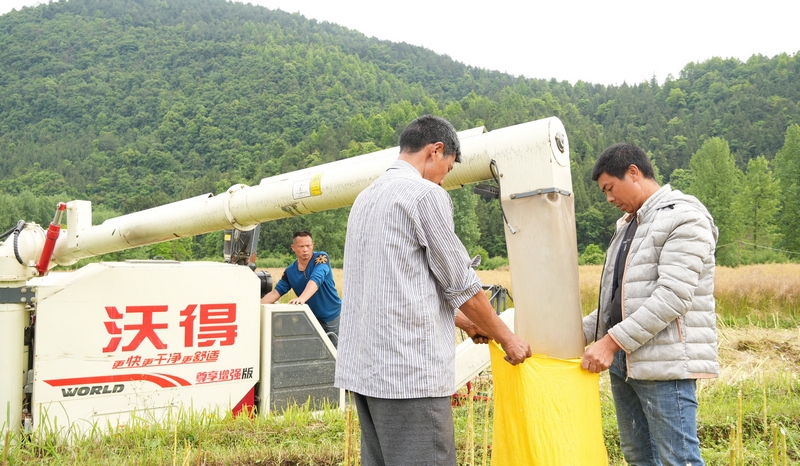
(546, 413)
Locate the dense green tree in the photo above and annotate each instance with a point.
(595, 225)
(491, 226)
(465, 217)
(757, 205)
(715, 181)
(178, 249)
(787, 171)
(358, 148)
(328, 229)
(592, 255)
(680, 179)
(27, 206)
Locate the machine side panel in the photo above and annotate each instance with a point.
(147, 337)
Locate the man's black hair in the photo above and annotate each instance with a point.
(429, 129)
(301, 233)
(617, 158)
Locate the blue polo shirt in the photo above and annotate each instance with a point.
(325, 304)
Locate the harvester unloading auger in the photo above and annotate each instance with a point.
(89, 348)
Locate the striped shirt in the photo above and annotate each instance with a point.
(405, 273)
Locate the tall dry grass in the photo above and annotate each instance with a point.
(589, 282)
(764, 294)
(761, 294)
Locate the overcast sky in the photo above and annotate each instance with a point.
(604, 42)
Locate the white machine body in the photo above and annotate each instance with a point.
(114, 340)
(153, 337)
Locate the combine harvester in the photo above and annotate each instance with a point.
(86, 350)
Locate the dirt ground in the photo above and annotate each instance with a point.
(748, 352)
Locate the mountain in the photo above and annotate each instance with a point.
(135, 103)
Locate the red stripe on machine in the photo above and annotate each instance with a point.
(182, 382)
(158, 380)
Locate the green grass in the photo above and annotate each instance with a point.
(298, 436)
(302, 437)
(719, 413)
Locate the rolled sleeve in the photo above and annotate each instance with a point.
(448, 260)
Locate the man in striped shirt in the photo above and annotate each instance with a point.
(406, 274)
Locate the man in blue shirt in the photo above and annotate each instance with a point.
(311, 279)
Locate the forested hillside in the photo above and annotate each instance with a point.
(136, 103)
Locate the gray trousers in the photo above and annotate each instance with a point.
(406, 432)
(331, 329)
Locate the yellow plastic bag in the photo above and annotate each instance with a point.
(546, 413)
